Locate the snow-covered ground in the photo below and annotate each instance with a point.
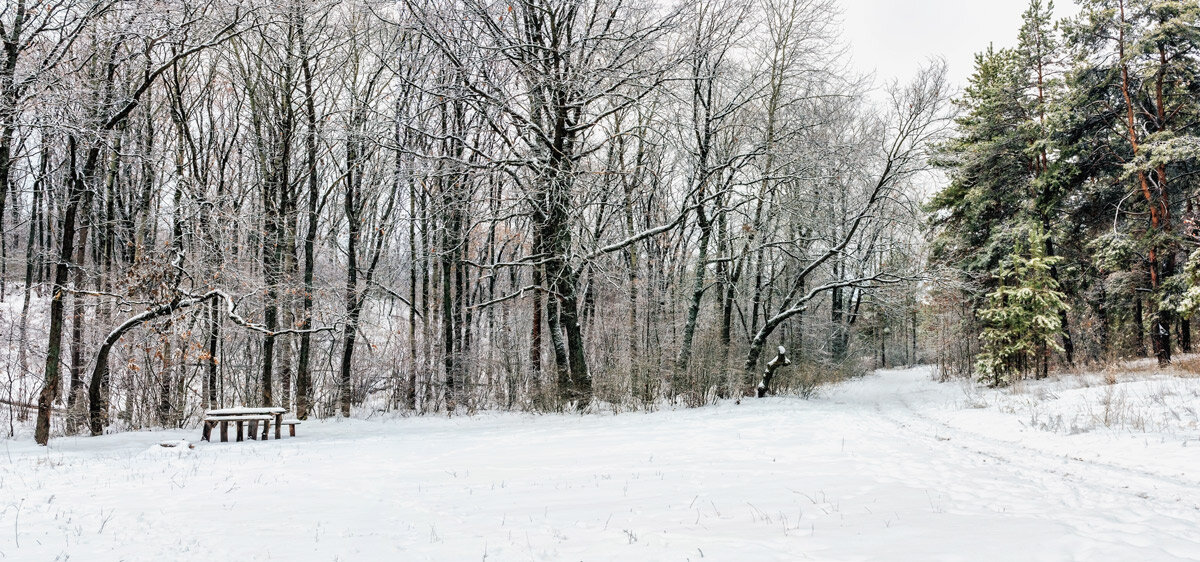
(893, 466)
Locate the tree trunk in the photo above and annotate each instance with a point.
(780, 360)
(304, 369)
(214, 338)
(697, 294)
(1068, 342)
(535, 330)
(98, 400)
(39, 187)
(411, 398)
(165, 381)
(1139, 326)
(50, 386)
(1160, 336)
(350, 298)
(79, 313)
(449, 316)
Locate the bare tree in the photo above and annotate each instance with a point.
(446, 204)
(112, 112)
(917, 118)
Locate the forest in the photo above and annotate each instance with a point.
(1069, 220)
(345, 207)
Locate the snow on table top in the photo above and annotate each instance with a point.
(240, 417)
(242, 410)
(888, 467)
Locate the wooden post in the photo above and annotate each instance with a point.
(266, 429)
(207, 431)
(292, 430)
(278, 422)
(254, 429)
(239, 430)
(224, 431)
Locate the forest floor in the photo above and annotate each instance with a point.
(891, 466)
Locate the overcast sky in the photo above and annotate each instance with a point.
(894, 37)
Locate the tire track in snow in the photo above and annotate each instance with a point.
(1115, 500)
(982, 441)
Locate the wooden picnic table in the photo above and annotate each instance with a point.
(252, 416)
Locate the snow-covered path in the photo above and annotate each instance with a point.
(892, 466)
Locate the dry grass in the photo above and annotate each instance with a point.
(1182, 365)
(1187, 365)
(1132, 395)
(806, 379)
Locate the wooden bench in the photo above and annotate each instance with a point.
(239, 421)
(291, 427)
(242, 416)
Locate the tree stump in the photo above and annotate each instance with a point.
(780, 360)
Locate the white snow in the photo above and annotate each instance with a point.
(244, 410)
(893, 467)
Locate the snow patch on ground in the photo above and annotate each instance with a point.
(1162, 404)
(891, 466)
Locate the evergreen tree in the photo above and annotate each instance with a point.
(988, 168)
(1023, 315)
(1135, 64)
(1003, 166)
(1101, 158)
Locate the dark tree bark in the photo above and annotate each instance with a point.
(304, 389)
(79, 189)
(537, 314)
(98, 400)
(211, 365)
(1139, 327)
(354, 206)
(1160, 334)
(50, 389)
(411, 397)
(780, 360)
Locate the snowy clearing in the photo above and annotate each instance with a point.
(893, 466)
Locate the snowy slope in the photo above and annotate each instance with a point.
(891, 467)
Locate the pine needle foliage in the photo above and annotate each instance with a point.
(1022, 315)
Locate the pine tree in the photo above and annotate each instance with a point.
(1135, 72)
(988, 168)
(1023, 315)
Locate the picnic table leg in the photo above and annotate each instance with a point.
(278, 422)
(224, 431)
(204, 436)
(239, 432)
(292, 430)
(266, 428)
